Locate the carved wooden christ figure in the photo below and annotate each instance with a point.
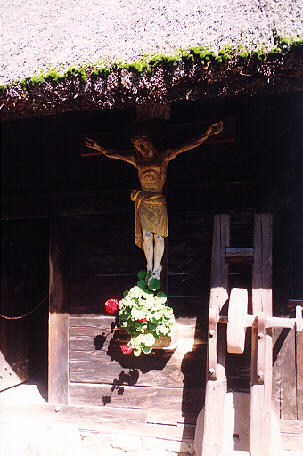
(151, 222)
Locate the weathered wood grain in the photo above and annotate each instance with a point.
(284, 373)
(95, 356)
(212, 432)
(293, 303)
(116, 201)
(262, 267)
(166, 405)
(87, 367)
(84, 327)
(58, 374)
(291, 435)
(261, 344)
(299, 369)
(243, 255)
(108, 420)
(292, 427)
(66, 204)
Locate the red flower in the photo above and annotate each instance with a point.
(126, 349)
(111, 306)
(143, 320)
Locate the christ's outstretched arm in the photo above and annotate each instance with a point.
(214, 129)
(119, 155)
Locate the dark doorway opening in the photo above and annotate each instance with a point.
(24, 291)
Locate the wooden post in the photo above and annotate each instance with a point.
(58, 361)
(299, 361)
(261, 340)
(216, 387)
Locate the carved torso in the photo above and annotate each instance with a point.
(151, 165)
(152, 174)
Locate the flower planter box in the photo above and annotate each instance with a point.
(163, 343)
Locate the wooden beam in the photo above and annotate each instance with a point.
(293, 303)
(262, 268)
(101, 420)
(174, 133)
(261, 341)
(212, 433)
(299, 361)
(58, 361)
(115, 201)
(239, 255)
(293, 307)
(65, 204)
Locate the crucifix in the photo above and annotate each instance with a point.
(151, 221)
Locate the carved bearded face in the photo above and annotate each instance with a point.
(143, 146)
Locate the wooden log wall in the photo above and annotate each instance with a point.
(168, 386)
(261, 172)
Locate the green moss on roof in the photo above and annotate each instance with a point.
(148, 63)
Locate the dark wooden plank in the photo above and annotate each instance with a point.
(292, 435)
(292, 303)
(299, 369)
(219, 268)
(240, 255)
(212, 197)
(116, 201)
(284, 373)
(188, 284)
(98, 271)
(84, 328)
(262, 267)
(161, 368)
(58, 374)
(95, 356)
(241, 228)
(90, 417)
(167, 405)
(92, 321)
(212, 434)
(91, 292)
(261, 394)
(65, 204)
(106, 420)
(291, 427)
(174, 134)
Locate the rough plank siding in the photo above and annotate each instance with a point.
(58, 374)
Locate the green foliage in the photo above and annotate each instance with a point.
(287, 42)
(145, 315)
(161, 294)
(154, 284)
(148, 63)
(141, 275)
(53, 75)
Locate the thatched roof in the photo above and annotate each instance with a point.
(59, 56)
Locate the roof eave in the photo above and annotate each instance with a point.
(192, 80)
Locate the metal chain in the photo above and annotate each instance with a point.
(28, 313)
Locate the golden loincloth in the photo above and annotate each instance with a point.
(150, 214)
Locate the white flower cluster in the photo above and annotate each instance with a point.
(146, 318)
